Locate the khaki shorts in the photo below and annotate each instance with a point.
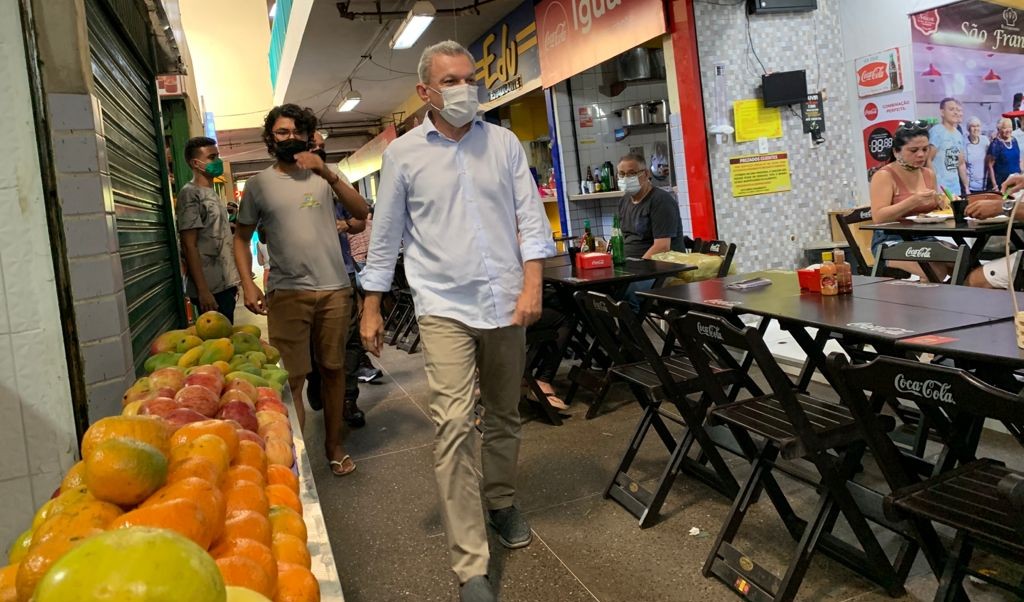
(294, 318)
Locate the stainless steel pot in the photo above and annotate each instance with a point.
(634, 64)
(634, 115)
(657, 112)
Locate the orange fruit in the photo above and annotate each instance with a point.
(296, 584)
(242, 571)
(279, 451)
(124, 471)
(199, 467)
(181, 515)
(80, 521)
(246, 524)
(282, 495)
(39, 560)
(74, 478)
(251, 454)
(251, 549)
(8, 578)
(67, 499)
(282, 475)
(151, 430)
(285, 520)
(247, 496)
(242, 474)
(289, 548)
(221, 428)
(203, 493)
(21, 544)
(207, 446)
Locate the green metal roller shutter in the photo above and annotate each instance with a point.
(125, 85)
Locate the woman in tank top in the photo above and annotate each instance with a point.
(905, 187)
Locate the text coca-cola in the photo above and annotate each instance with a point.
(710, 330)
(926, 389)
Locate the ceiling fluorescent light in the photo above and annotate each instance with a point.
(413, 26)
(349, 101)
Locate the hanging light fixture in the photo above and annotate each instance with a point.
(991, 76)
(350, 100)
(413, 26)
(932, 71)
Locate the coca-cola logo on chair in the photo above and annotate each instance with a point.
(873, 74)
(928, 389)
(919, 253)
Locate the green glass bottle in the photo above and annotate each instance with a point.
(616, 243)
(589, 246)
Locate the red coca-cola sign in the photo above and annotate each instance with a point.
(873, 74)
(871, 111)
(927, 22)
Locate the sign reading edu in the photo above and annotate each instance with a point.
(575, 35)
(506, 55)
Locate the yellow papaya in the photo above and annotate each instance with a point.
(256, 381)
(213, 325)
(217, 350)
(252, 329)
(188, 342)
(190, 358)
(273, 355)
(168, 341)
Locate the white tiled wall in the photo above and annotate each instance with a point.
(37, 436)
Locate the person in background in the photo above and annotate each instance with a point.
(948, 151)
(457, 193)
(977, 150)
(359, 244)
(309, 294)
(649, 217)
(1018, 100)
(203, 221)
(905, 187)
(995, 273)
(1003, 154)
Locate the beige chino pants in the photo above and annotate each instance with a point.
(452, 351)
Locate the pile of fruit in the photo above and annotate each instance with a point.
(190, 494)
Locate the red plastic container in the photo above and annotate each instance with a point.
(810, 279)
(589, 261)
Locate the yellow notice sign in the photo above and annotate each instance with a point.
(759, 174)
(754, 121)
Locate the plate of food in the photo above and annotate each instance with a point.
(944, 212)
(928, 218)
(998, 219)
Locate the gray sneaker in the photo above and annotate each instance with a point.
(513, 530)
(477, 589)
(368, 374)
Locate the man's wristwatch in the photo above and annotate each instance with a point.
(1008, 207)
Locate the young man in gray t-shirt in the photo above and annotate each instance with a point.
(309, 296)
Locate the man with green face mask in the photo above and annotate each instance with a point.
(206, 240)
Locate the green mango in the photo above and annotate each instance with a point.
(161, 360)
(253, 379)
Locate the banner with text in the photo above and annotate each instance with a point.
(759, 174)
(575, 35)
(879, 119)
(506, 55)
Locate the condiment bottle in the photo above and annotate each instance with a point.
(844, 273)
(827, 273)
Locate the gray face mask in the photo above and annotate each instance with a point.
(460, 104)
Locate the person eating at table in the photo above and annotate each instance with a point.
(905, 187)
(995, 273)
(649, 216)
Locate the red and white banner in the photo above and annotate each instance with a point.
(575, 35)
(879, 73)
(879, 118)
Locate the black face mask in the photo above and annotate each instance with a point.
(321, 153)
(287, 149)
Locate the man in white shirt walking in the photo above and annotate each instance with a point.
(458, 193)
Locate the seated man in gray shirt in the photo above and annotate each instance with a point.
(649, 216)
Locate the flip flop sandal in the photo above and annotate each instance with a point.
(552, 398)
(340, 464)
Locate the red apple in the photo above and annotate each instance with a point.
(240, 412)
(244, 386)
(158, 406)
(204, 369)
(267, 393)
(205, 379)
(236, 395)
(271, 406)
(198, 398)
(171, 377)
(166, 392)
(182, 416)
(245, 435)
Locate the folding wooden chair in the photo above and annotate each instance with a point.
(924, 253)
(857, 216)
(654, 379)
(717, 247)
(791, 425)
(980, 498)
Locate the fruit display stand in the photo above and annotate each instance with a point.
(319, 544)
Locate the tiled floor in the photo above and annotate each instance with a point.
(388, 538)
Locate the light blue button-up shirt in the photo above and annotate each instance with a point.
(468, 214)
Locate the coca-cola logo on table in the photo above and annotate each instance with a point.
(873, 74)
(927, 22)
(925, 389)
(871, 111)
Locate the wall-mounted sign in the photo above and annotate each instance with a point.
(759, 174)
(575, 35)
(585, 118)
(813, 113)
(506, 55)
(879, 119)
(170, 86)
(755, 121)
(367, 159)
(879, 73)
(971, 24)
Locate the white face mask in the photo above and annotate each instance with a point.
(630, 184)
(460, 104)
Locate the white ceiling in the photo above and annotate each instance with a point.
(332, 46)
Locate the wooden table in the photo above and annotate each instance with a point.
(909, 230)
